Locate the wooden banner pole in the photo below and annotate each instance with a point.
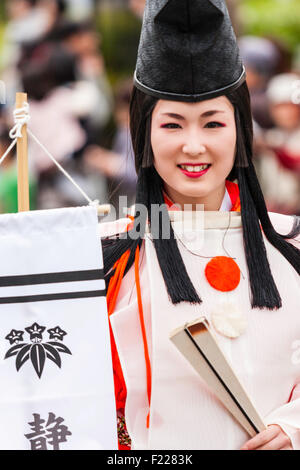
(22, 161)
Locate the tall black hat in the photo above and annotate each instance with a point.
(188, 51)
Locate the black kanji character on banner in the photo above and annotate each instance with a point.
(37, 351)
(53, 433)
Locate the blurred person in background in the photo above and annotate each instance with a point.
(82, 40)
(57, 105)
(61, 68)
(55, 10)
(278, 161)
(263, 59)
(27, 22)
(117, 164)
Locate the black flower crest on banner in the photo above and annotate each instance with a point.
(37, 351)
(15, 336)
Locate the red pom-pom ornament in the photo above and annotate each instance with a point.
(223, 273)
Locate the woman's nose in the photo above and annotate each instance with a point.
(193, 143)
(194, 148)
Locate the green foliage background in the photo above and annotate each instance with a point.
(120, 32)
(277, 18)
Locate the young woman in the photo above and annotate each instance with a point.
(240, 268)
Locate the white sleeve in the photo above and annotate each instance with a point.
(288, 418)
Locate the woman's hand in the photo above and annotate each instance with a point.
(273, 438)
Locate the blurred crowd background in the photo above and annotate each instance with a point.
(75, 59)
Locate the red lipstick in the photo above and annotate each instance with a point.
(194, 174)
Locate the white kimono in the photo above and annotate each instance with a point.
(184, 413)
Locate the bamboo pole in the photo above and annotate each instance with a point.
(22, 161)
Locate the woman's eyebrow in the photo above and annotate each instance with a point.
(206, 114)
(211, 113)
(173, 115)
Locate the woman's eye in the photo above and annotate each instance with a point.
(171, 126)
(214, 124)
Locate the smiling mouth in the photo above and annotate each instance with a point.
(194, 168)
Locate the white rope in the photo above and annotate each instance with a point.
(63, 170)
(7, 151)
(21, 117)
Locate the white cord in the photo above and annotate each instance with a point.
(21, 117)
(8, 150)
(61, 168)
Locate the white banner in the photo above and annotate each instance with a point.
(56, 377)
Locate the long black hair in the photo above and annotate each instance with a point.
(264, 293)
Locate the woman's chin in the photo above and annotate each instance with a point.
(195, 193)
(193, 197)
(192, 194)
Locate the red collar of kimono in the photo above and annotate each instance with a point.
(232, 189)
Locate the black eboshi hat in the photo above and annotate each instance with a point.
(188, 51)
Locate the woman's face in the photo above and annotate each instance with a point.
(194, 149)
